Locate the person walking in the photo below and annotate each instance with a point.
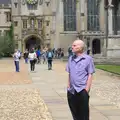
(38, 52)
(80, 68)
(44, 52)
(16, 57)
(26, 53)
(49, 58)
(32, 57)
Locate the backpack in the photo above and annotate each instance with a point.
(49, 54)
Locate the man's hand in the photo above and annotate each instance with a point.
(89, 82)
(88, 90)
(68, 86)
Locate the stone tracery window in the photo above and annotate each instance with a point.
(8, 16)
(93, 22)
(25, 24)
(116, 16)
(69, 15)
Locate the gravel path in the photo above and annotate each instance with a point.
(22, 104)
(107, 86)
(19, 98)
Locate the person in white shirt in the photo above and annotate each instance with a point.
(16, 57)
(32, 57)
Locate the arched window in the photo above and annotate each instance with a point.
(69, 15)
(93, 22)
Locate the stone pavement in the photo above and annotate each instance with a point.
(21, 100)
(52, 85)
(8, 76)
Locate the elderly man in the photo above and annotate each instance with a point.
(80, 68)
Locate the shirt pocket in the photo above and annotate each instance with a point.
(80, 68)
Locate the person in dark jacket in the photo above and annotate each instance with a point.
(38, 52)
(26, 53)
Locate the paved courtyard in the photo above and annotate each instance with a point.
(8, 76)
(41, 95)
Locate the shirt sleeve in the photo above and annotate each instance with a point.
(68, 66)
(91, 67)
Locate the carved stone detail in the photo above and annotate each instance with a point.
(40, 2)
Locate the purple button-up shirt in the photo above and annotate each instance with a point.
(79, 69)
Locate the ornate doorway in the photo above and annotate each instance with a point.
(96, 46)
(32, 42)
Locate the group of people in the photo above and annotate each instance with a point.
(58, 53)
(34, 57)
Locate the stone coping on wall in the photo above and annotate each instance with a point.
(5, 6)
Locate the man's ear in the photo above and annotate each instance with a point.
(81, 49)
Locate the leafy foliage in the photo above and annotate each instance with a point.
(7, 43)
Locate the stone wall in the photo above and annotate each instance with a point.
(113, 49)
(66, 40)
(4, 25)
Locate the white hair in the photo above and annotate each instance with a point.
(81, 44)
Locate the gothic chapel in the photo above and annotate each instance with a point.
(57, 23)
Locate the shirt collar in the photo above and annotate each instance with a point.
(78, 58)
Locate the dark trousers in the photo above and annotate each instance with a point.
(38, 59)
(49, 64)
(79, 105)
(44, 60)
(32, 65)
(17, 66)
(26, 60)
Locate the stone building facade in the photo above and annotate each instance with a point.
(57, 23)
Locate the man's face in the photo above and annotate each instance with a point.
(75, 47)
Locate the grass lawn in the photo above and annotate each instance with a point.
(110, 68)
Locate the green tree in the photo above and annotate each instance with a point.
(7, 44)
(2, 46)
(11, 40)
